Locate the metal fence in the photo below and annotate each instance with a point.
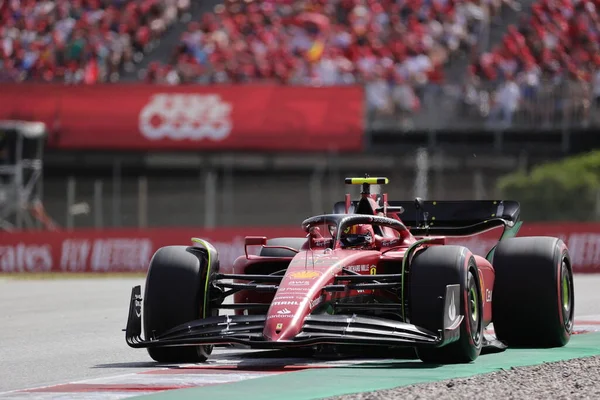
(232, 195)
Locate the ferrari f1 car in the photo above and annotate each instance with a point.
(374, 272)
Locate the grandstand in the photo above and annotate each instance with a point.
(86, 41)
(410, 56)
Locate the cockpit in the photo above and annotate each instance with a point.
(353, 231)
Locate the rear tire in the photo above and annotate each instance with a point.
(294, 243)
(533, 301)
(431, 271)
(174, 295)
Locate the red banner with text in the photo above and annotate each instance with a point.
(191, 117)
(130, 250)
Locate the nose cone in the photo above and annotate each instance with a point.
(285, 318)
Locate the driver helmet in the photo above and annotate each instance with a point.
(360, 236)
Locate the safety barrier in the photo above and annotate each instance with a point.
(130, 250)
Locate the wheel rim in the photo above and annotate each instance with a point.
(473, 304)
(474, 310)
(566, 294)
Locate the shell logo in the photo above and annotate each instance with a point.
(305, 274)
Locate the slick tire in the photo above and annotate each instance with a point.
(431, 270)
(533, 301)
(174, 295)
(294, 243)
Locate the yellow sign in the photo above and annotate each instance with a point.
(373, 270)
(305, 274)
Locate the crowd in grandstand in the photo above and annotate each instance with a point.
(396, 48)
(80, 41)
(546, 67)
(392, 47)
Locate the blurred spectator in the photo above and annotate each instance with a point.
(505, 103)
(379, 43)
(79, 41)
(553, 56)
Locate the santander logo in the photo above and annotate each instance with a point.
(179, 116)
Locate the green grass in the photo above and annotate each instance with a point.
(69, 275)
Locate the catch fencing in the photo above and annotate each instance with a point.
(235, 194)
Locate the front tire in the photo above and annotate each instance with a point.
(174, 294)
(431, 271)
(533, 302)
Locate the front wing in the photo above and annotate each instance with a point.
(317, 329)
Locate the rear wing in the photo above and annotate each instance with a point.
(456, 214)
(452, 218)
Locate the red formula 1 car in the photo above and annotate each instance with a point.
(372, 273)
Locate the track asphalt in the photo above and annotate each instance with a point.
(58, 332)
(385, 374)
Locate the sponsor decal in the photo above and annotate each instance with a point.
(105, 254)
(283, 297)
(324, 260)
(180, 116)
(293, 289)
(290, 315)
(284, 311)
(121, 253)
(481, 283)
(74, 254)
(299, 283)
(452, 309)
(389, 243)
(305, 274)
(321, 242)
(371, 269)
(317, 259)
(284, 303)
(327, 257)
(25, 258)
(359, 268)
(316, 302)
(114, 250)
(279, 326)
(138, 306)
(488, 295)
